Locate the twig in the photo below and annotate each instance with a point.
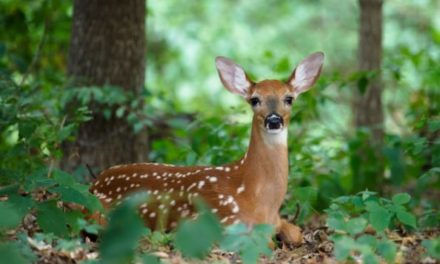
(298, 210)
(37, 53)
(90, 171)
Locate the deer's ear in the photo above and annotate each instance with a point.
(306, 74)
(233, 76)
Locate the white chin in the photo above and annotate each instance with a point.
(274, 131)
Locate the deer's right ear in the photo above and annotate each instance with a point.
(233, 76)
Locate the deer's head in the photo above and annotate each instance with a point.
(271, 100)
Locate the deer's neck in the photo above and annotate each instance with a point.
(266, 162)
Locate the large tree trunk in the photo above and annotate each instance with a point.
(108, 47)
(368, 103)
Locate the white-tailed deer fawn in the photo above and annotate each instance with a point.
(250, 190)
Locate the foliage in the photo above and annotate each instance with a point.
(349, 216)
(120, 238)
(433, 247)
(250, 243)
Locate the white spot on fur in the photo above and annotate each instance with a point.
(201, 183)
(191, 186)
(212, 179)
(152, 215)
(240, 189)
(224, 220)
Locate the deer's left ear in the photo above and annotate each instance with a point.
(306, 74)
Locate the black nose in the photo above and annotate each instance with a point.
(273, 121)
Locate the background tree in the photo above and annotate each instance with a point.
(368, 112)
(108, 46)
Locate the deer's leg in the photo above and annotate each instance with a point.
(289, 233)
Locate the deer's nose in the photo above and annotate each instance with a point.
(273, 121)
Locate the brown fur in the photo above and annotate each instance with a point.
(250, 190)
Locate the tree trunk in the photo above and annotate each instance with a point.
(368, 102)
(108, 47)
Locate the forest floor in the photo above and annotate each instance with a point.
(317, 248)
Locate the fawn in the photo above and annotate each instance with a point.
(250, 190)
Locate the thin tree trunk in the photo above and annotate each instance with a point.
(368, 100)
(108, 47)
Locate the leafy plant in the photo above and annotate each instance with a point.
(433, 247)
(248, 242)
(195, 238)
(349, 216)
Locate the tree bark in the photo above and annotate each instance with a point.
(108, 47)
(368, 97)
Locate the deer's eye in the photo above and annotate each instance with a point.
(288, 100)
(254, 101)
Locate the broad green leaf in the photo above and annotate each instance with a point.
(10, 217)
(249, 243)
(355, 225)
(52, 219)
(343, 246)
(407, 218)
(10, 253)
(63, 178)
(387, 249)
(305, 194)
(336, 221)
(121, 237)
(368, 240)
(379, 216)
(150, 259)
(70, 195)
(433, 247)
(195, 238)
(401, 198)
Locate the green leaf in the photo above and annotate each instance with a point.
(52, 219)
(195, 238)
(387, 249)
(379, 217)
(10, 216)
(9, 253)
(407, 218)
(150, 259)
(120, 238)
(70, 195)
(249, 243)
(336, 222)
(433, 247)
(368, 240)
(401, 198)
(343, 246)
(63, 178)
(305, 194)
(355, 225)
